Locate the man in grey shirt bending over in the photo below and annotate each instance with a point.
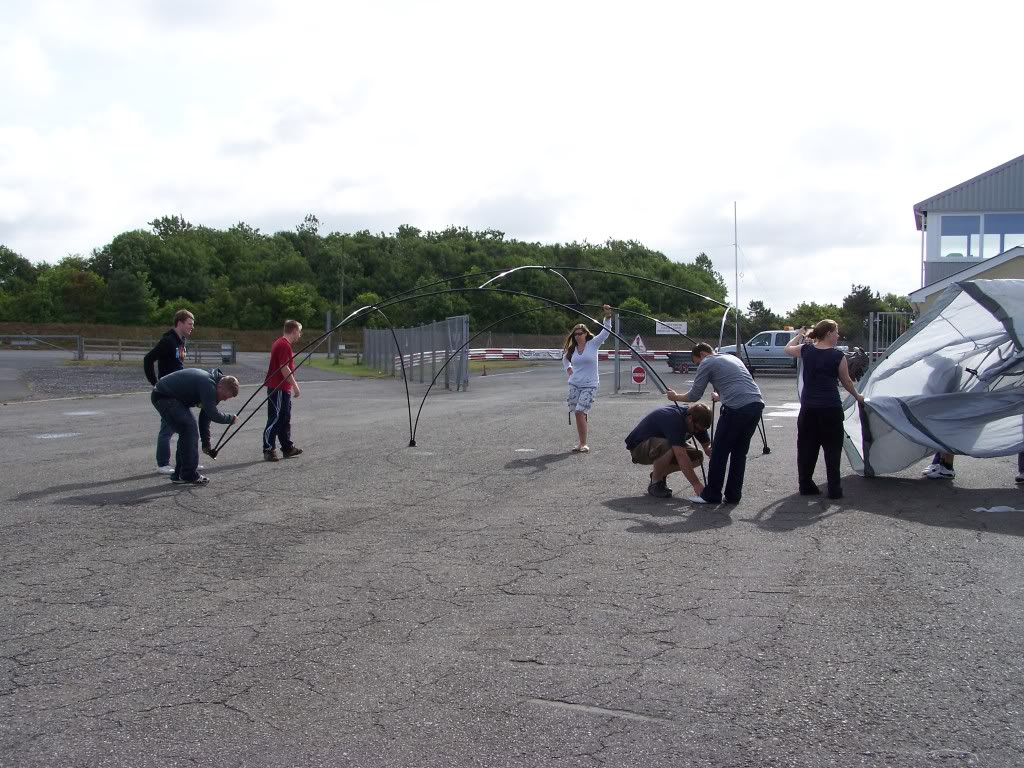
(742, 405)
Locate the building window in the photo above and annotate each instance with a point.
(1003, 231)
(961, 237)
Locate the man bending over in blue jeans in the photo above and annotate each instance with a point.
(174, 396)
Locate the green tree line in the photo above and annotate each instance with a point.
(244, 279)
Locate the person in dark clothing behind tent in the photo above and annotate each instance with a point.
(165, 358)
(174, 396)
(820, 423)
(660, 441)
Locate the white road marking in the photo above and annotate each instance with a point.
(83, 413)
(525, 450)
(56, 435)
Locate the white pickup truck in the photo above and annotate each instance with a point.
(765, 351)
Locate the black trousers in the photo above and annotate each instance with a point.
(819, 428)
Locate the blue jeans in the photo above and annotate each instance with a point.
(181, 421)
(163, 443)
(732, 440)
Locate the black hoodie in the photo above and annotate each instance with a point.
(168, 354)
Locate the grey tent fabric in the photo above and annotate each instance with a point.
(952, 383)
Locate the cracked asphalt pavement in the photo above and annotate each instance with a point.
(489, 599)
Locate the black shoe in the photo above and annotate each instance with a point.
(271, 455)
(810, 490)
(836, 494)
(291, 452)
(198, 480)
(659, 490)
(731, 501)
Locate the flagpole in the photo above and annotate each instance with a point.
(736, 257)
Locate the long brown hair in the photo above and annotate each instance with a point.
(570, 341)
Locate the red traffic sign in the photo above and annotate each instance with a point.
(639, 374)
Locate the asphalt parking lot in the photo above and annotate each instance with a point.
(488, 598)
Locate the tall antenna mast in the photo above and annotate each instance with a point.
(736, 256)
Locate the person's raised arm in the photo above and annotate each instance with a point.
(606, 326)
(793, 347)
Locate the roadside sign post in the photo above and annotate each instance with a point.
(639, 376)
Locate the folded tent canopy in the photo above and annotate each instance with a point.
(953, 383)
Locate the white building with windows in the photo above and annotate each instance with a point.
(972, 230)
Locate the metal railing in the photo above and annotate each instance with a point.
(883, 329)
(44, 342)
(199, 352)
(422, 350)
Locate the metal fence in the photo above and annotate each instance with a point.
(206, 351)
(35, 342)
(423, 350)
(883, 329)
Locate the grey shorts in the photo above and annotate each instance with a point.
(581, 398)
(653, 448)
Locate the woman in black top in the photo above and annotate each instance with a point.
(820, 423)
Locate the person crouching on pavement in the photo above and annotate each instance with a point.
(660, 441)
(173, 397)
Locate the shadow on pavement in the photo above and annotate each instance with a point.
(796, 511)
(538, 463)
(937, 503)
(697, 517)
(54, 490)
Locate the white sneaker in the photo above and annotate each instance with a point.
(200, 467)
(930, 468)
(167, 469)
(941, 473)
(697, 500)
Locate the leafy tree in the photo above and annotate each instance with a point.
(133, 251)
(760, 318)
(373, 319)
(220, 310)
(857, 306)
(130, 299)
(169, 226)
(810, 313)
(635, 323)
(69, 292)
(16, 272)
(704, 264)
(893, 302)
(296, 301)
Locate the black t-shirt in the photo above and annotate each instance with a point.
(821, 377)
(669, 422)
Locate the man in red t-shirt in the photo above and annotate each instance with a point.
(281, 384)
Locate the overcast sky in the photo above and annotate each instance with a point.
(551, 121)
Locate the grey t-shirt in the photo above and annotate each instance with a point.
(729, 377)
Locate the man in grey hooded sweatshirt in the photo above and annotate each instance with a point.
(174, 396)
(742, 405)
